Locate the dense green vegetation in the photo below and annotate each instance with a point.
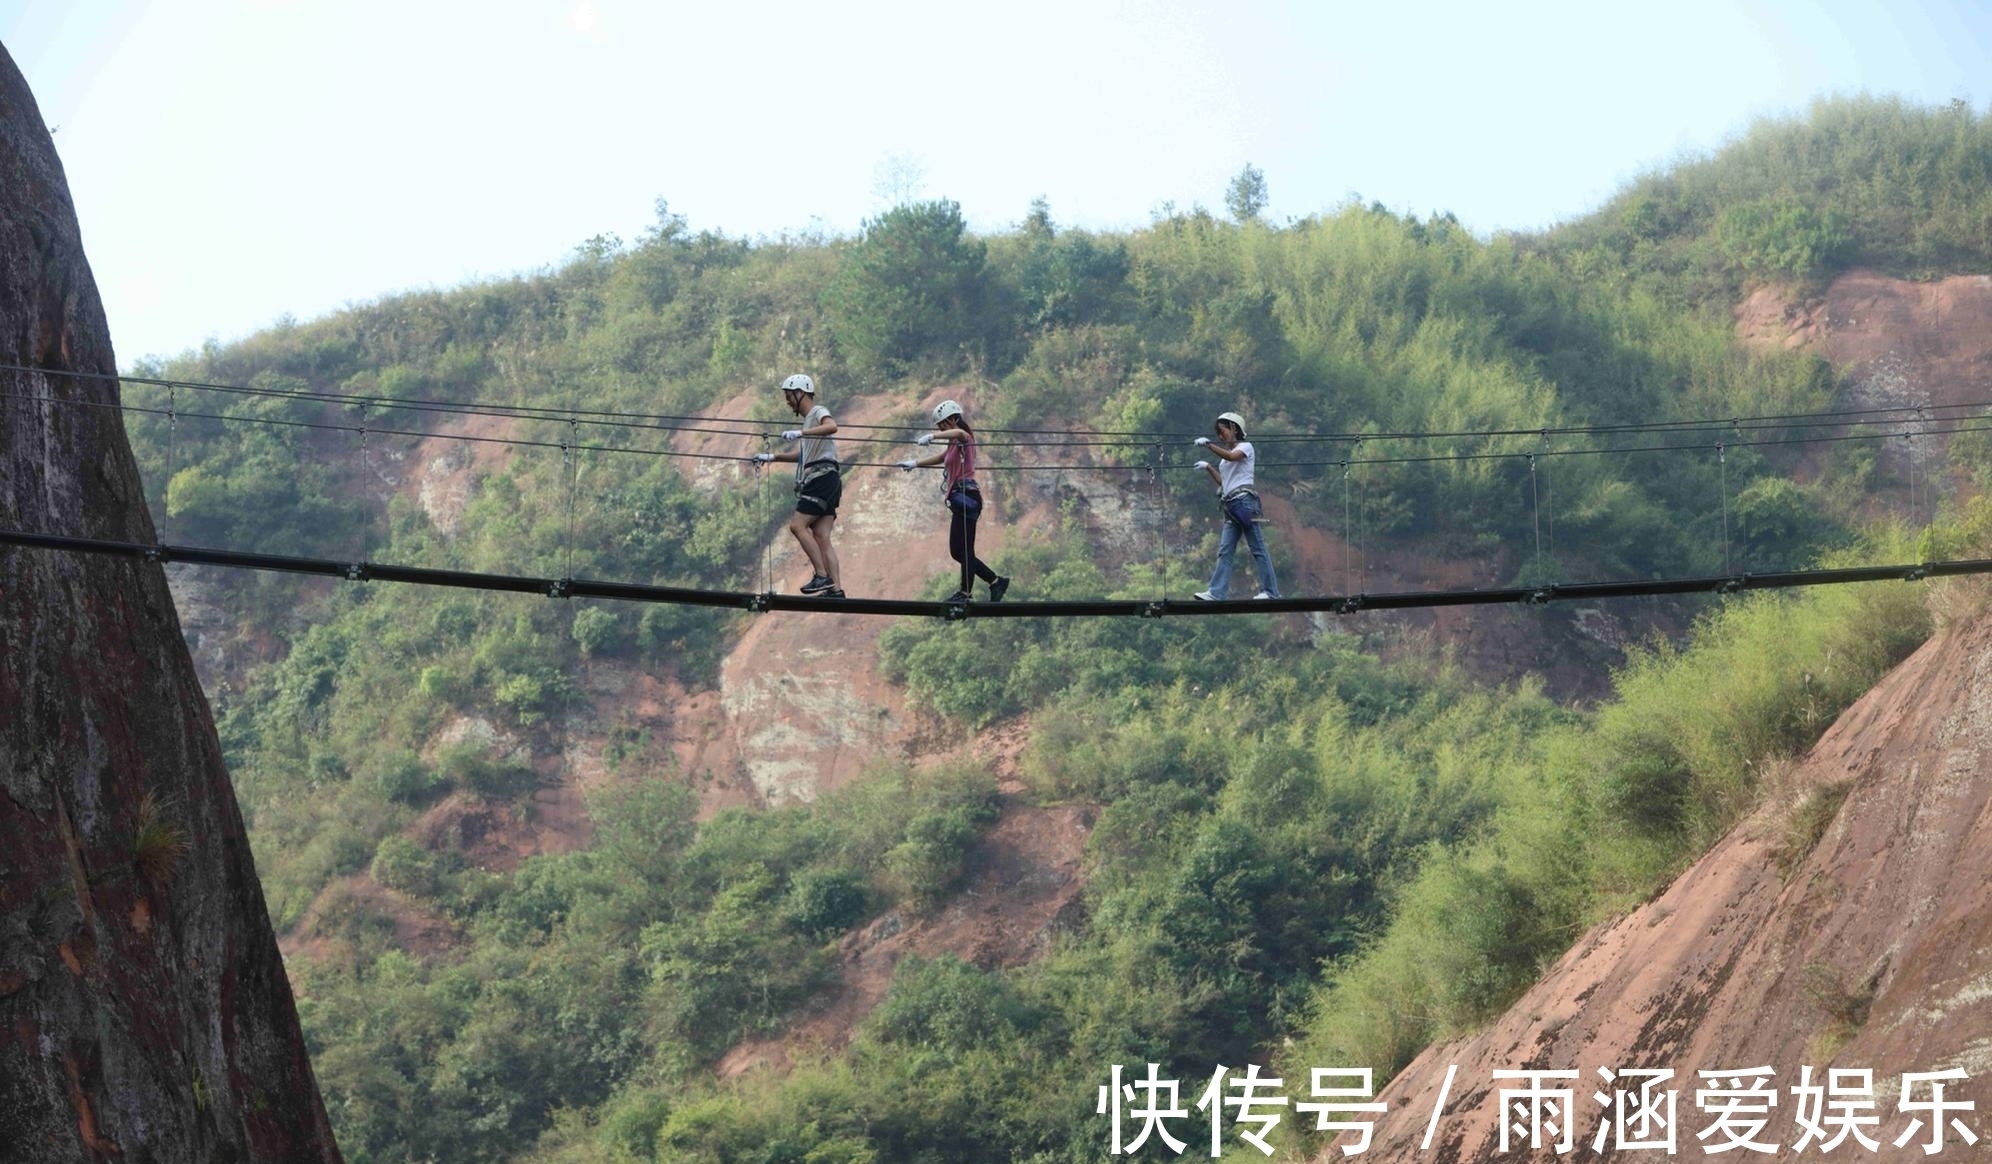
(1294, 839)
(1859, 181)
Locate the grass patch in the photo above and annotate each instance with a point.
(1844, 1007)
(160, 843)
(1807, 823)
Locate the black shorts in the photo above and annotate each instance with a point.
(818, 496)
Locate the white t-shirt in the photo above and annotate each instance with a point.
(1235, 475)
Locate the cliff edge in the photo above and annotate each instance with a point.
(144, 1012)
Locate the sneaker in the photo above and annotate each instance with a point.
(998, 589)
(1264, 594)
(817, 583)
(1206, 596)
(832, 592)
(957, 596)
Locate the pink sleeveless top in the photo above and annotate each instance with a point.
(957, 464)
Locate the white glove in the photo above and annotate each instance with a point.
(909, 464)
(925, 438)
(764, 458)
(794, 434)
(1203, 464)
(1203, 442)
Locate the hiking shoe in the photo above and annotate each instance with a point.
(832, 592)
(959, 596)
(1206, 596)
(817, 583)
(998, 589)
(1265, 594)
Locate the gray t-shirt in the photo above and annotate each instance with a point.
(812, 449)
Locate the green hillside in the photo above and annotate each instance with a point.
(1303, 854)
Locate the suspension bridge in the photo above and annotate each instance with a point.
(1141, 452)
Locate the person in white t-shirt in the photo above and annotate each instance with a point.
(1239, 502)
(819, 487)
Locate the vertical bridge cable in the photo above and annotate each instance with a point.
(366, 471)
(172, 449)
(767, 542)
(1909, 438)
(571, 463)
(1362, 520)
(746, 499)
(1545, 489)
(1929, 512)
(1161, 513)
(1348, 538)
(1535, 495)
(1722, 463)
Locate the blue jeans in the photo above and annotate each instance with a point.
(1241, 519)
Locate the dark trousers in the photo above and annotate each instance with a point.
(964, 507)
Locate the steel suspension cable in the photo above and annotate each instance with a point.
(671, 422)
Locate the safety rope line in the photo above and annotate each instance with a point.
(517, 442)
(1142, 608)
(670, 422)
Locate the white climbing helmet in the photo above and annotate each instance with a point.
(945, 409)
(1236, 421)
(799, 383)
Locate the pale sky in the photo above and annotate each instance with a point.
(235, 161)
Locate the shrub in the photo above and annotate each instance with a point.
(476, 771)
(1781, 238)
(946, 1004)
(912, 287)
(823, 901)
(596, 631)
(402, 776)
(926, 865)
(441, 683)
(400, 863)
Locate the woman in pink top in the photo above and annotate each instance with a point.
(964, 497)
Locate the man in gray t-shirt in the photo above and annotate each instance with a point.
(818, 484)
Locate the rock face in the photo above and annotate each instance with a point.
(1899, 345)
(144, 1012)
(1903, 342)
(1871, 949)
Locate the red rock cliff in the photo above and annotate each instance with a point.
(144, 1012)
(1871, 949)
